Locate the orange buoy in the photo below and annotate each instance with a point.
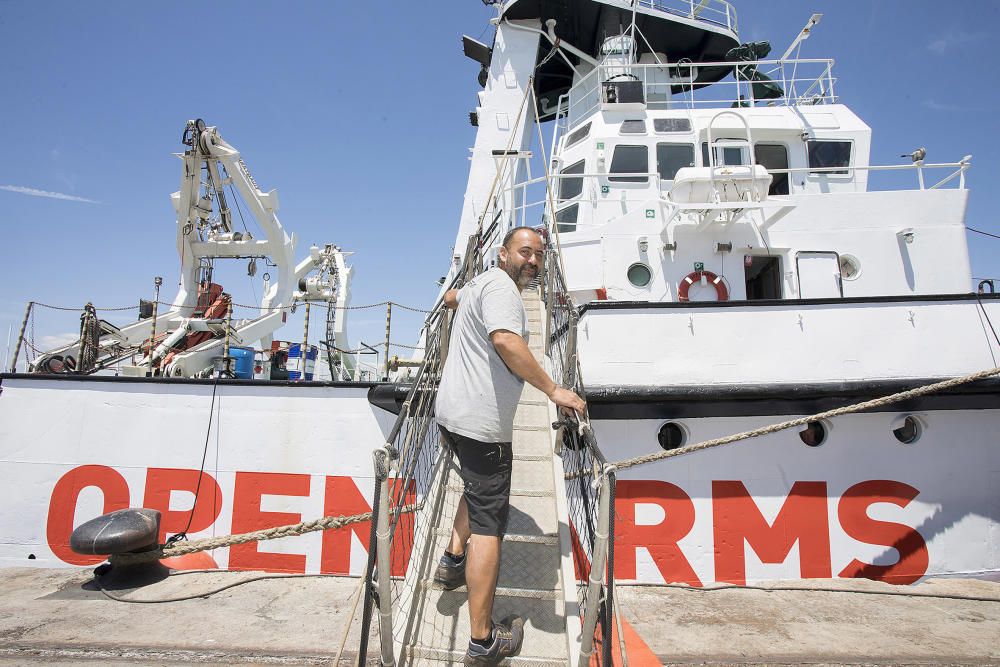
(200, 560)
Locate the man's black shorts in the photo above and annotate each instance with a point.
(486, 468)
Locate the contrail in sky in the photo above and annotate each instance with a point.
(34, 192)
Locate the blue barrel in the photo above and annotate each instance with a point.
(242, 362)
(296, 365)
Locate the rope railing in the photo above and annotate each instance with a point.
(590, 482)
(111, 351)
(409, 470)
(178, 306)
(413, 468)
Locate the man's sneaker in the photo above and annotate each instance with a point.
(507, 637)
(448, 574)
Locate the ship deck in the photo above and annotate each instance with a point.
(57, 617)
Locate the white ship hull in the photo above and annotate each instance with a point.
(860, 505)
(834, 294)
(767, 509)
(277, 454)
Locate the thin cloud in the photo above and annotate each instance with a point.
(56, 341)
(950, 40)
(938, 46)
(934, 105)
(35, 192)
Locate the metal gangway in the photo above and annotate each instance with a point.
(557, 557)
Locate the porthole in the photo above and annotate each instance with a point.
(671, 436)
(850, 267)
(908, 431)
(639, 274)
(814, 434)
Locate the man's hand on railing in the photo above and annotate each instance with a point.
(568, 402)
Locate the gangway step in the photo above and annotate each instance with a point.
(514, 493)
(509, 537)
(422, 655)
(443, 632)
(531, 457)
(505, 591)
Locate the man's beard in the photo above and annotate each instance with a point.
(522, 275)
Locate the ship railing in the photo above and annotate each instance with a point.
(715, 12)
(589, 480)
(674, 85)
(637, 192)
(918, 167)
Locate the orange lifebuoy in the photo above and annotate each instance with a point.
(721, 291)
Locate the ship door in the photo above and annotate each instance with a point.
(819, 275)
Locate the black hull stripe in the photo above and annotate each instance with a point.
(779, 303)
(699, 401)
(223, 382)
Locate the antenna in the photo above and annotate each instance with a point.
(803, 34)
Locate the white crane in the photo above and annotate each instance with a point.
(205, 234)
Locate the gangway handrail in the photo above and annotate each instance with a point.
(577, 444)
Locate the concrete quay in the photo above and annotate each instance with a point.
(59, 617)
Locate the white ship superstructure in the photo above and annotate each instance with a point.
(712, 212)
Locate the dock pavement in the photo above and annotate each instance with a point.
(60, 617)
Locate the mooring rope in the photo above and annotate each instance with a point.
(291, 530)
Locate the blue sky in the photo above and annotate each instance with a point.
(358, 114)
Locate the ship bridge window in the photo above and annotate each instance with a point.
(571, 187)
(630, 160)
(729, 156)
(667, 125)
(566, 219)
(633, 127)
(763, 277)
(774, 156)
(829, 155)
(671, 157)
(577, 135)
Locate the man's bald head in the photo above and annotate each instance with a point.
(508, 238)
(522, 255)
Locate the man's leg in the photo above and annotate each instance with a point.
(461, 530)
(481, 569)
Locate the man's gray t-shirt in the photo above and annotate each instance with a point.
(478, 394)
